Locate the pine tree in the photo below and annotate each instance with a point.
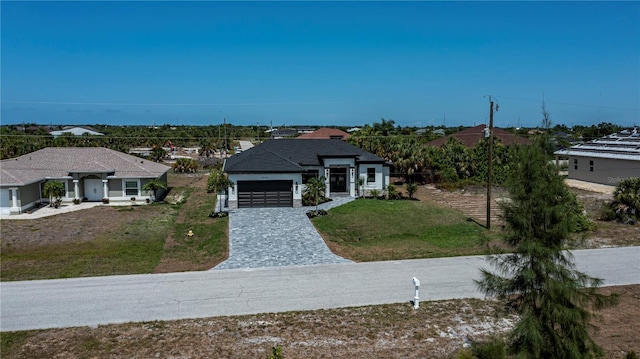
(539, 278)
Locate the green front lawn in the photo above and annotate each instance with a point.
(375, 230)
(132, 249)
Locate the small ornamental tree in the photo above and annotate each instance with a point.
(53, 189)
(539, 278)
(411, 188)
(154, 185)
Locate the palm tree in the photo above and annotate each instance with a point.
(626, 200)
(157, 153)
(53, 189)
(154, 185)
(185, 165)
(315, 189)
(217, 182)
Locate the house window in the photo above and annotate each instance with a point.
(131, 188)
(307, 175)
(371, 175)
(575, 163)
(590, 166)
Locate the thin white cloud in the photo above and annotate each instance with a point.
(176, 104)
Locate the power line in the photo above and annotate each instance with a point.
(572, 104)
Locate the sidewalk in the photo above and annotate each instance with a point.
(588, 186)
(47, 211)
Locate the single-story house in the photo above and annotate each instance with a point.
(474, 135)
(606, 160)
(325, 133)
(88, 173)
(274, 173)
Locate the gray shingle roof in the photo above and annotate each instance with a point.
(288, 155)
(59, 162)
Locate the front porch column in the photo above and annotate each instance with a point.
(352, 182)
(14, 201)
(105, 188)
(76, 189)
(326, 183)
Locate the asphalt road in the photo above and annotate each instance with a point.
(134, 298)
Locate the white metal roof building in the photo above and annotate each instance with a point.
(606, 160)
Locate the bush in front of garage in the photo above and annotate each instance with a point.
(306, 200)
(318, 213)
(219, 214)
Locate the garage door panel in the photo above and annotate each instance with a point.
(264, 194)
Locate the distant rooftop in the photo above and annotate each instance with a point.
(326, 133)
(622, 145)
(472, 136)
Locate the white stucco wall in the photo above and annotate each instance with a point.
(382, 176)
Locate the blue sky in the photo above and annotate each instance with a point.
(319, 63)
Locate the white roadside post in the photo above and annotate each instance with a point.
(416, 300)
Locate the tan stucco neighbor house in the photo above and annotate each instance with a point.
(606, 160)
(274, 173)
(88, 173)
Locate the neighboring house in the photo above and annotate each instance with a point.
(326, 134)
(426, 131)
(88, 173)
(76, 131)
(474, 135)
(606, 160)
(273, 173)
(282, 133)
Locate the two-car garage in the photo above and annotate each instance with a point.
(274, 193)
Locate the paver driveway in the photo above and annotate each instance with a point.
(274, 237)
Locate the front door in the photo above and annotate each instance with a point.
(93, 189)
(338, 180)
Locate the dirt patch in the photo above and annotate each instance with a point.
(436, 330)
(472, 201)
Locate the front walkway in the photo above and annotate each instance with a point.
(46, 211)
(276, 237)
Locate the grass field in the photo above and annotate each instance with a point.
(208, 246)
(373, 230)
(134, 247)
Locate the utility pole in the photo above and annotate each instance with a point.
(489, 167)
(225, 136)
(219, 143)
